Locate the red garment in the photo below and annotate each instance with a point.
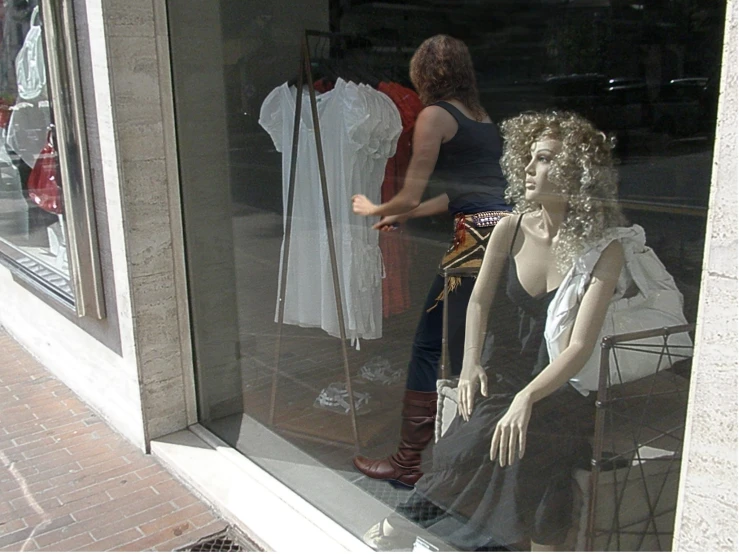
(395, 288)
(323, 85)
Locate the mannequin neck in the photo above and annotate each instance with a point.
(552, 216)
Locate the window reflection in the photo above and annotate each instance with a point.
(31, 204)
(645, 73)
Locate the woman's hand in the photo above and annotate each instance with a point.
(389, 223)
(361, 205)
(510, 432)
(469, 381)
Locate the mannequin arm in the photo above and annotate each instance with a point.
(510, 432)
(477, 314)
(588, 324)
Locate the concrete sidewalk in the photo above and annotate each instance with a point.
(69, 482)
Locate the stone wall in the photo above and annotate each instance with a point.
(707, 506)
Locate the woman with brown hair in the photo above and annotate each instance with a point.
(456, 147)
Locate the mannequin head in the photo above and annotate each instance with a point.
(539, 188)
(561, 158)
(441, 69)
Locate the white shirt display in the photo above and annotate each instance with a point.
(28, 129)
(359, 130)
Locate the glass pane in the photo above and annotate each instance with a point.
(32, 226)
(273, 375)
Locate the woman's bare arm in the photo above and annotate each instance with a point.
(436, 205)
(432, 128)
(432, 206)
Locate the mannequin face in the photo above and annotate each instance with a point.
(538, 186)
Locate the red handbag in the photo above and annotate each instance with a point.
(43, 183)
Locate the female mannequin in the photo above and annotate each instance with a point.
(455, 145)
(501, 473)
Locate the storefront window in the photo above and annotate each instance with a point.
(46, 236)
(274, 376)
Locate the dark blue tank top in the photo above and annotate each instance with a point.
(468, 167)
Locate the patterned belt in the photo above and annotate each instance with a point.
(471, 235)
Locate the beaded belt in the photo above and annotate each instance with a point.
(487, 219)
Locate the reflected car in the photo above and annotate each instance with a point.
(613, 104)
(680, 109)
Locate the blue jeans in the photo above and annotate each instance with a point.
(426, 351)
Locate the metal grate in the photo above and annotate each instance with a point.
(223, 541)
(47, 274)
(383, 491)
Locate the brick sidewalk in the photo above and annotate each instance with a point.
(69, 482)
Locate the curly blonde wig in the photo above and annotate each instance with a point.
(441, 69)
(582, 172)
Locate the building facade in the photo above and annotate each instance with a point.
(144, 211)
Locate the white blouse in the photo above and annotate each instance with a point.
(359, 131)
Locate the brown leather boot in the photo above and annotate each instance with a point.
(403, 468)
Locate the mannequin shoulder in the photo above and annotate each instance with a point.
(503, 232)
(611, 262)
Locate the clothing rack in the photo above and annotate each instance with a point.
(335, 51)
(635, 410)
(305, 77)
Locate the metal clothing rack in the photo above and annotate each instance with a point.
(305, 77)
(631, 416)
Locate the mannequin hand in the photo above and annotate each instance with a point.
(469, 381)
(510, 432)
(389, 223)
(361, 205)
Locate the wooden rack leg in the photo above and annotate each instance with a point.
(331, 244)
(286, 244)
(303, 75)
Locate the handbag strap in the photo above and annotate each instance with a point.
(50, 135)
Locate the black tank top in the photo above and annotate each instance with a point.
(468, 167)
(532, 314)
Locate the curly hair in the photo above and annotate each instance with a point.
(582, 171)
(441, 69)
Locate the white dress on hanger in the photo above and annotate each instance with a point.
(359, 130)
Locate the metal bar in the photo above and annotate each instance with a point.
(445, 327)
(330, 231)
(651, 348)
(288, 232)
(68, 116)
(600, 405)
(616, 399)
(651, 333)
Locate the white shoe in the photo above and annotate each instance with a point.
(395, 541)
